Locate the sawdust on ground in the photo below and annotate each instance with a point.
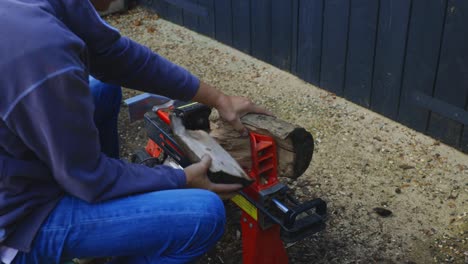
(362, 160)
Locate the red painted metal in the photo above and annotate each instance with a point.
(264, 162)
(262, 246)
(153, 149)
(164, 115)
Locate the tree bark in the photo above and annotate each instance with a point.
(295, 146)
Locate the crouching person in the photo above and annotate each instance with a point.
(63, 191)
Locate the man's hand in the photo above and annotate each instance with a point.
(196, 178)
(230, 108)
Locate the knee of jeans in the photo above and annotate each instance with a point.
(214, 219)
(214, 212)
(215, 205)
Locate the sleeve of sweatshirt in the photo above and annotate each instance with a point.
(120, 60)
(55, 120)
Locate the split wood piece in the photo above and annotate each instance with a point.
(295, 146)
(196, 143)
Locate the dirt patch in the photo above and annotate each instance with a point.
(362, 160)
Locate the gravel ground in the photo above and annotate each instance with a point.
(362, 160)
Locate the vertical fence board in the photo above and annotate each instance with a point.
(295, 26)
(190, 19)
(206, 24)
(241, 25)
(426, 26)
(464, 138)
(335, 42)
(175, 14)
(281, 36)
(390, 56)
(452, 78)
(361, 49)
(261, 29)
(310, 40)
(159, 6)
(223, 20)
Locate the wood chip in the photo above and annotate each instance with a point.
(382, 211)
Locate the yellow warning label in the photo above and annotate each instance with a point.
(245, 205)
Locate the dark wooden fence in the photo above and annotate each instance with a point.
(405, 59)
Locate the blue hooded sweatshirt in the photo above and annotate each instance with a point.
(49, 145)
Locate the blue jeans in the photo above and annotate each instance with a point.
(107, 99)
(173, 226)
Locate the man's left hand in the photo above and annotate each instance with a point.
(232, 108)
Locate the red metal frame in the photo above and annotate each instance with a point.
(262, 246)
(164, 115)
(264, 162)
(153, 149)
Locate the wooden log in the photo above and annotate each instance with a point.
(196, 143)
(295, 146)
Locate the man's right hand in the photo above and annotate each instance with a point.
(196, 178)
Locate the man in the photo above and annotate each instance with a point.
(60, 196)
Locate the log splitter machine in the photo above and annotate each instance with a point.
(271, 215)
